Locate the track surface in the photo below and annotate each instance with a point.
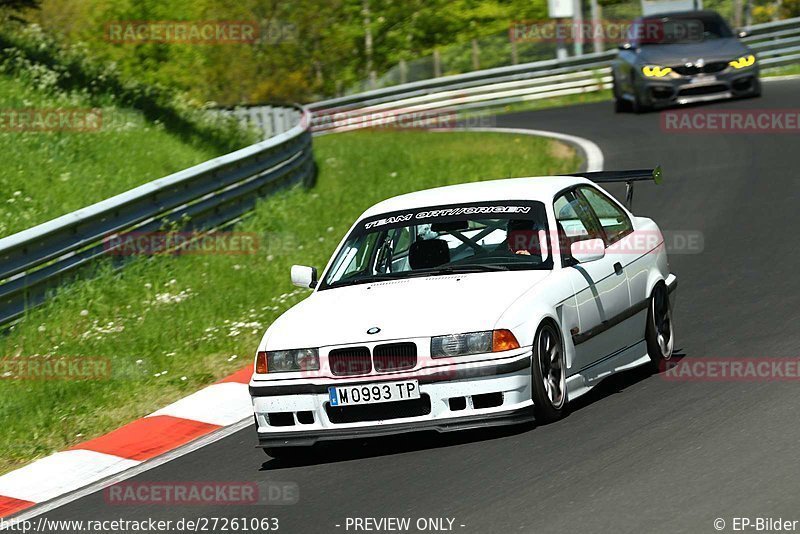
(640, 454)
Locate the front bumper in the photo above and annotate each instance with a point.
(730, 83)
(489, 393)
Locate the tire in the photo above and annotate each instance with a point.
(659, 333)
(548, 375)
(291, 454)
(637, 107)
(620, 106)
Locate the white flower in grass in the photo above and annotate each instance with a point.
(183, 379)
(138, 362)
(84, 313)
(17, 193)
(270, 257)
(42, 328)
(148, 285)
(237, 267)
(330, 228)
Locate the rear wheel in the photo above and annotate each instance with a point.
(548, 375)
(659, 333)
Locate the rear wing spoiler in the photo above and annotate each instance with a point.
(628, 177)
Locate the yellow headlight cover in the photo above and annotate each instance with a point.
(744, 61)
(655, 71)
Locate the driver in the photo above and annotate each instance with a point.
(522, 237)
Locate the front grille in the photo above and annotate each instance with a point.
(395, 356)
(350, 361)
(380, 411)
(708, 68)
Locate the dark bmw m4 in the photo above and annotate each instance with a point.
(682, 58)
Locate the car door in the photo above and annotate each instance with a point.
(631, 249)
(601, 287)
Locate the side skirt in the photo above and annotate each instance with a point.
(628, 358)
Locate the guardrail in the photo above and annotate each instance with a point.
(209, 195)
(270, 119)
(431, 101)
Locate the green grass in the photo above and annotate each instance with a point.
(786, 70)
(171, 325)
(47, 174)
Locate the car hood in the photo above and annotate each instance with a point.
(416, 307)
(679, 54)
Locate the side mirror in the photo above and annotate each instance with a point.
(303, 276)
(625, 46)
(588, 250)
(742, 34)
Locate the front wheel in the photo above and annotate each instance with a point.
(548, 375)
(659, 333)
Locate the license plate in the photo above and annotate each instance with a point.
(704, 78)
(374, 393)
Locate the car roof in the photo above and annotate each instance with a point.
(542, 188)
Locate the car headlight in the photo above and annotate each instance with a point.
(472, 343)
(744, 61)
(284, 361)
(655, 71)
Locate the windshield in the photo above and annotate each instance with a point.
(474, 237)
(683, 29)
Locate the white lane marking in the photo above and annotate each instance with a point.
(218, 404)
(60, 473)
(98, 485)
(592, 152)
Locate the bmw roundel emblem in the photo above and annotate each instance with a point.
(373, 330)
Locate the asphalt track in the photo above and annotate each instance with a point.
(640, 453)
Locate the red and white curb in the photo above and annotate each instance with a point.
(213, 408)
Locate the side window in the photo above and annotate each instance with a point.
(614, 221)
(574, 223)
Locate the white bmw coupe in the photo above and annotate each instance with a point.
(467, 306)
